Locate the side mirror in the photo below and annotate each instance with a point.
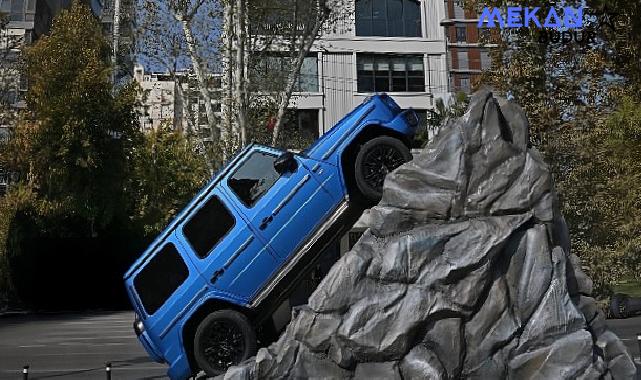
(286, 163)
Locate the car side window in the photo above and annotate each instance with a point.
(254, 178)
(160, 278)
(208, 226)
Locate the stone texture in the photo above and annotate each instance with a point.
(465, 272)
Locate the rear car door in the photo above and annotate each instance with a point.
(282, 209)
(225, 249)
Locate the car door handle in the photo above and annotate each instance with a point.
(266, 222)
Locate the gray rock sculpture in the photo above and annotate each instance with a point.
(465, 272)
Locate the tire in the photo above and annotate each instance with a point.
(223, 339)
(617, 306)
(375, 159)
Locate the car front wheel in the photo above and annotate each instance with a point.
(375, 159)
(223, 339)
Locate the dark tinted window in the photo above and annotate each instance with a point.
(160, 278)
(208, 225)
(390, 73)
(391, 18)
(254, 178)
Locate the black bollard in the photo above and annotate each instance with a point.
(25, 372)
(108, 370)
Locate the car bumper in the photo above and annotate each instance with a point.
(150, 348)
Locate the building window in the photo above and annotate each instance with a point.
(486, 60)
(389, 18)
(266, 81)
(463, 60)
(308, 78)
(305, 123)
(459, 12)
(390, 73)
(461, 34)
(17, 10)
(465, 83)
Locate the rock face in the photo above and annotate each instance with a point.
(465, 272)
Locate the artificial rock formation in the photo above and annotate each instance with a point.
(465, 272)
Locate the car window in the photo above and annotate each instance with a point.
(254, 178)
(160, 278)
(208, 226)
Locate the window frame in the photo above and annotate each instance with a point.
(278, 61)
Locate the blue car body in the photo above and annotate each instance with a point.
(180, 271)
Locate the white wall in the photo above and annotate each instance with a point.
(337, 51)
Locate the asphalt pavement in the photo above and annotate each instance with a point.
(73, 346)
(76, 346)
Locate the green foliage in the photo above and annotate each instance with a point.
(261, 118)
(439, 117)
(167, 173)
(19, 198)
(74, 144)
(89, 179)
(586, 123)
(602, 195)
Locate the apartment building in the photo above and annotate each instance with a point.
(175, 99)
(21, 23)
(392, 46)
(24, 22)
(117, 18)
(467, 56)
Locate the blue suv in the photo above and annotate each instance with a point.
(206, 288)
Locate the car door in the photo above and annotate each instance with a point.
(283, 209)
(225, 249)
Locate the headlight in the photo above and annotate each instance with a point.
(139, 327)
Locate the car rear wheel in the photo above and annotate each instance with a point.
(223, 339)
(375, 159)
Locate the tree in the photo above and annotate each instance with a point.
(208, 35)
(167, 173)
(580, 99)
(286, 30)
(72, 147)
(10, 80)
(602, 195)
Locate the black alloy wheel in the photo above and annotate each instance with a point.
(223, 339)
(377, 158)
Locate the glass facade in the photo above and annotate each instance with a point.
(388, 18)
(307, 80)
(390, 73)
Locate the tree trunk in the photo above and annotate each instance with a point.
(293, 75)
(228, 62)
(241, 93)
(198, 70)
(115, 41)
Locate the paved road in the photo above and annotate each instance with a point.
(73, 347)
(77, 346)
(627, 330)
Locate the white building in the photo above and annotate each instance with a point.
(174, 100)
(392, 46)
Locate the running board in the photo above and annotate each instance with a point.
(340, 210)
